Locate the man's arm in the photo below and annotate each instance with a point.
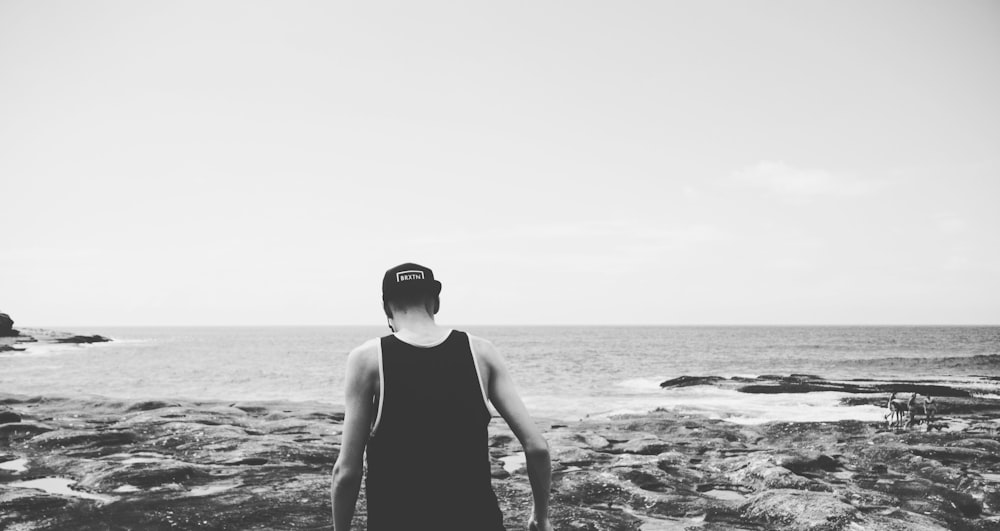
(361, 378)
(505, 398)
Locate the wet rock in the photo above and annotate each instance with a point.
(150, 476)
(644, 446)
(7, 326)
(247, 461)
(583, 439)
(500, 440)
(988, 445)
(762, 472)
(806, 383)
(687, 381)
(497, 471)
(589, 490)
(899, 520)
(795, 386)
(923, 390)
(82, 339)
(800, 463)
(22, 506)
(799, 510)
(7, 417)
(149, 405)
(646, 480)
(953, 453)
(567, 456)
(266, 466)
(82, 438)
(965, 504)
(21, 430)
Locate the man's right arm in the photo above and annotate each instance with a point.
(361, 378)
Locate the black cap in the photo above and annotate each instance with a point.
(409, 277)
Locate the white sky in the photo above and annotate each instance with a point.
(247, 162)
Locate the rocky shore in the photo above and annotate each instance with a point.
(106, 464)
(14, 340)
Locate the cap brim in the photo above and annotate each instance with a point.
(414, 286)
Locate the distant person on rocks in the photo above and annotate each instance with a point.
(911, 410)
(930, 409)
(417, 401)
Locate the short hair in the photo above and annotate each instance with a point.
(405, 299)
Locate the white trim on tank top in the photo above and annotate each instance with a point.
(381, 388)
(434, 343)
(479, 374)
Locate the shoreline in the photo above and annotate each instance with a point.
(557, 383)
(168, 464)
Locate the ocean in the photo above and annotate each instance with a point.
(563, 372)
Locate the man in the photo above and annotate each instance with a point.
(417, 400)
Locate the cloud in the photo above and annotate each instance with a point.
(949, 223)
(780, 180)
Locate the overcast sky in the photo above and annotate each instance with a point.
(570, 162)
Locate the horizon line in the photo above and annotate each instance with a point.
(523, 325)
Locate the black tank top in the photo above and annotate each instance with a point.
(428, 460)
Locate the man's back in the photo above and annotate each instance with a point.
(428, 452)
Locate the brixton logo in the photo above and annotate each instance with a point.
(403, 276)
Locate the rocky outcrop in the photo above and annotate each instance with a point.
(810, 383)
(21, 340)
(82, 339)
(233, 466)
(799, 510)
(687, 381)
(7, 417)
(7, 326)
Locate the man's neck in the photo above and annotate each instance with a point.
(415, 323)
(423, 332)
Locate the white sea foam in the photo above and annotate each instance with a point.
(16, 466)
(60, 486)
(513, 463)
(138, 460)
(208, 490)
(644, 384)
(45, 348)
(725, 404)
(50, 349)
(743, 408)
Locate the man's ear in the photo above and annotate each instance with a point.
(437, 304)
(386, 309)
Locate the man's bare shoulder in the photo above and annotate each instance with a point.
(485, 350)
(365, 356)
